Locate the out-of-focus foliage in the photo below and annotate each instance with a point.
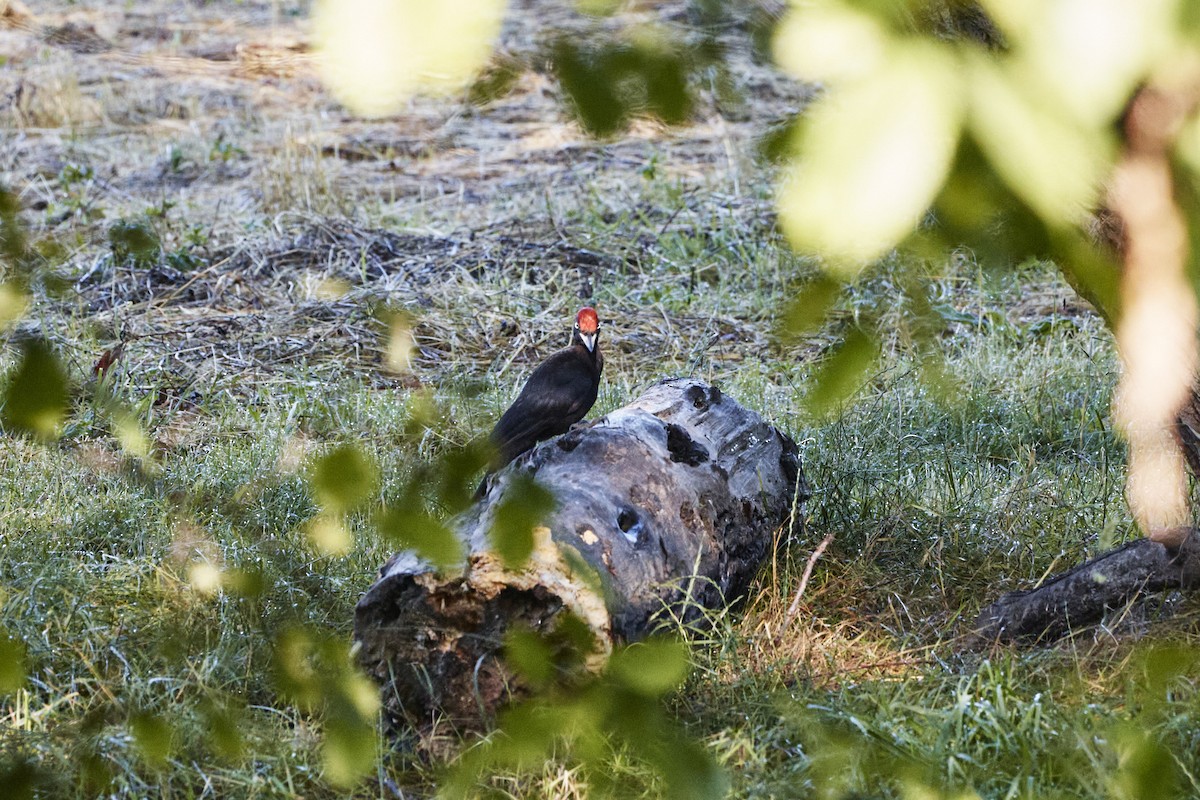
(997, 143)
(610, 83)
(36, 393)
(12, 663)
(343, 479)
(415, 519)
(919, 141)
(315, 671)
(871, 162)
(134, 242)
(524, 507)
(153, 736)
(375, 54)
(595, 718)
(843, 374)
(35, 400)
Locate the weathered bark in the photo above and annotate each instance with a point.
(672, 501)
(1082, 596)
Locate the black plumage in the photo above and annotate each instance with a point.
(559, 393)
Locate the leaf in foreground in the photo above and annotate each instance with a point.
(844, 373)
(872, 157)
(375, 55)
(315, 671)
(409, 526)
(523, 508)
(343, 478)
(12, 663)
(36, 399)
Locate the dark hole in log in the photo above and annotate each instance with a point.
(714, 396)
(698, 397)
(684, 449)
(630, 523)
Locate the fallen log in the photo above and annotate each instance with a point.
(672, 501)
(1083, 595)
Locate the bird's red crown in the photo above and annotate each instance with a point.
(587, 320)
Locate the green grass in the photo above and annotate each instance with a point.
(938, 501)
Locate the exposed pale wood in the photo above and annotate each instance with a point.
(672, 500)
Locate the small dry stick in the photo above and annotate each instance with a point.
(808, 568)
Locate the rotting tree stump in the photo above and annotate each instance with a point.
(673, 501)
(1083, 595)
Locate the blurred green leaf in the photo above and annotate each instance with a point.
(408, 525)
(244, 582)
(374, 56)
(314, 670)
(525, 505)
(498, 79)
(976, 210)
(872, 158)
(134, 242)
(349, 753)
(1088, 57)
(222, 731)
(594, 719)
(36, 398)
(689, 770)
(328, 534)
(831, 42)
(1093, 271)
(844, 372)
(95, 772)
(651, 668)
(598, 8)
(153, 736)
(778, 143)
(294, 665)
(1145, 767)
(343, 478)
(12, 238)
(611, 82)
(1048, 159)
(808, 310)
(599, 106)
(19, 778)
(1163, 665)
(664, 74)
(456, 471)
(351, 744)
(530, 655)
(13, 303)
(12, 663)
(401, 341)
(544, 656)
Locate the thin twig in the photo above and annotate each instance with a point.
(808, 568)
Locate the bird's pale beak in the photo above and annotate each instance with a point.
(589, 341)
